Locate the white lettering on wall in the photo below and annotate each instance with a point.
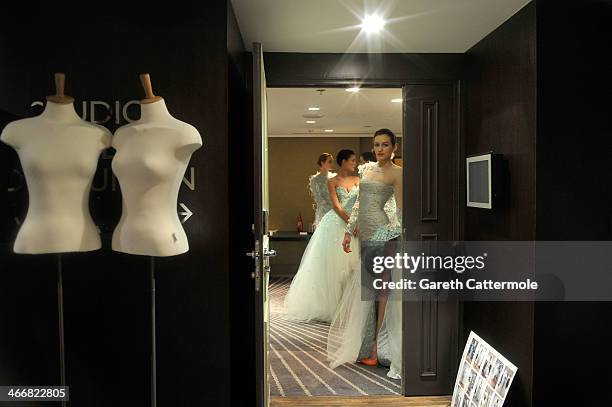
(190, 182)
(101, 112)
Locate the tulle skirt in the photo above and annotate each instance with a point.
(317, 287)
(353, 327)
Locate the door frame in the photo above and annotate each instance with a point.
(459, 180)
(259, 228)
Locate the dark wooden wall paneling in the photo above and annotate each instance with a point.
(574, 198)
(431, 155)
(240, 160)
(107, 313)
(303, 69)
(501, 116)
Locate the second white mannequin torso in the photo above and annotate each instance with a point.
(150, 162)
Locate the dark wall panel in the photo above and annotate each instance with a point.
(430, 159)
(574, 153)
(107, 298)
(500, 116)
(295, 69)
(574, 126)
(107, 324)
(29, 321)
(240, 171)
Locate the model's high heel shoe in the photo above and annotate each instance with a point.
(369, 361)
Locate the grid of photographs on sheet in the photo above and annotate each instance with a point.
(484, 376)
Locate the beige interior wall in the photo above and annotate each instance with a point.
(292, 160)
(365, 144)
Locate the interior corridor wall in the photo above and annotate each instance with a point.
(500, 116)
(240, 213)
(574, 198)
(292, 160)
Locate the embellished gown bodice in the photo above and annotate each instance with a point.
(347, 198)
(371, 213)
(373, 222)
(318, 189)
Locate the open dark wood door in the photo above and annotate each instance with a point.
(260, 252)
(431, 145)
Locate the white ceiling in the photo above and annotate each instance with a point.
(344, 112)
(333, 25)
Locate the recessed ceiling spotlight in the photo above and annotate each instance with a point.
(328, 130)
(354, 89)
(314, 108)
(372, 23)
(396, 100)
(310, 121)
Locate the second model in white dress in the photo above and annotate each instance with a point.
(317, 287)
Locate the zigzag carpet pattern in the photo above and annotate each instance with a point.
(298, 365)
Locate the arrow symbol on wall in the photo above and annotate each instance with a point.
(186, 212)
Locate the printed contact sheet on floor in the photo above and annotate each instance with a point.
(484, 376)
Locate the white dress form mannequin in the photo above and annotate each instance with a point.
(150, 162)
(59, 154)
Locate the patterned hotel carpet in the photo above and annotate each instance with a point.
(298, 365)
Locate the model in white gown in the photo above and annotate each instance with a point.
(317, 183)
(317, 287)
(359, 329)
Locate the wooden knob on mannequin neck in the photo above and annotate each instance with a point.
(145, 80)
(59, 97)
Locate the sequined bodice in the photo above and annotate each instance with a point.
(347, 198)
(373, 196)
(320, 194)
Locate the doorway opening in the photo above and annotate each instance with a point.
(305, 126)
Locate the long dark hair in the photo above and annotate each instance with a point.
(386, 132)
(368, 156)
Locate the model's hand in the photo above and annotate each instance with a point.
(346, 243)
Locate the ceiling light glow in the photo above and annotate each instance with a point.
(310, 121)
(354, 89)
(372, 24)
(328, 130)
(396, 100)
(313, 108)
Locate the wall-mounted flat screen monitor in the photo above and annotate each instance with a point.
(479, 181)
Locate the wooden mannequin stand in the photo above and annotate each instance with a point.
(59, 153)
(156, 137)
(59, 97)
(150, 97)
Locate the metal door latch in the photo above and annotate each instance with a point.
(252, 254)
